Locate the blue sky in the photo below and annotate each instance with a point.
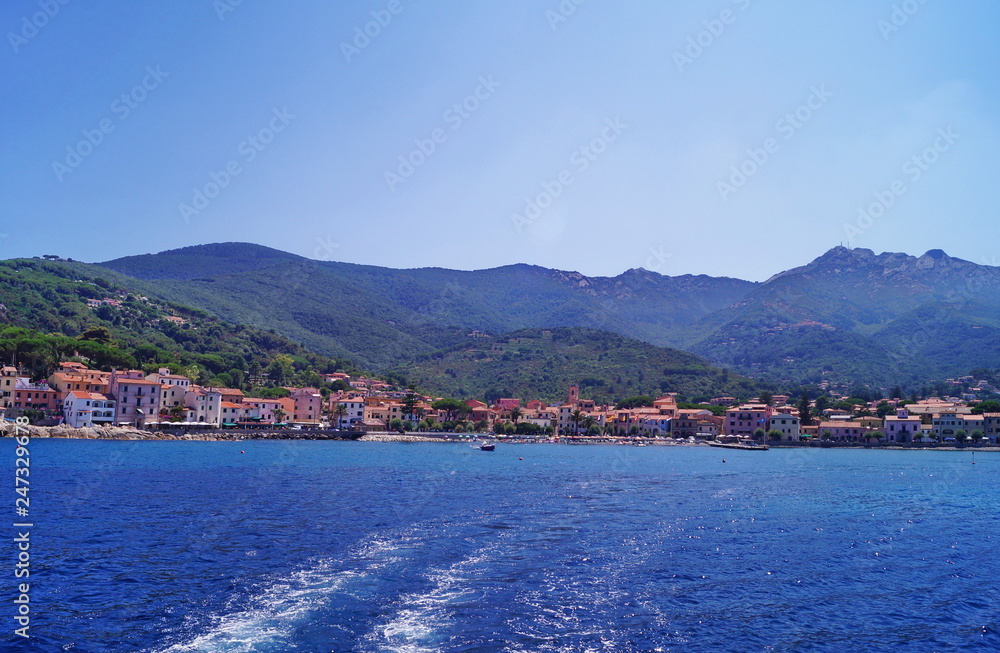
(724, 137)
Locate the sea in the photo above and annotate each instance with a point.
(311, 546)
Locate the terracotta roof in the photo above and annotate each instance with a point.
(93, 396)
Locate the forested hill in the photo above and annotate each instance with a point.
(378, 316)
(543, 363)
(45, 317)
(57, 310)
(850, 316)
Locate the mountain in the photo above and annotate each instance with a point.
(378, 316)
(53, 310)
(854, 316)
(850, 317)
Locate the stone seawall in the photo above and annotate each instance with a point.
(400, 437)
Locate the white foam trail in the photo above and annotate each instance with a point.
(428, 613)
(283, 604)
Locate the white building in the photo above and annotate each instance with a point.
(787, 424)
(84, 409)
(206, 404)
(355, 413)
(946, 425)
(173, 388)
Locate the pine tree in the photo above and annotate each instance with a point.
(805, 418)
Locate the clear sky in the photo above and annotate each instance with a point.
(726, 137)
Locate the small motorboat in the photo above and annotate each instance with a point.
(487, 446)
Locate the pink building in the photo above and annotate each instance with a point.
(745, 419)
(35, 396)
(308, 405)
(901, 427)
(137, 400)
(263, 409)
(666, 405)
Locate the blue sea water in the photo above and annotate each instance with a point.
(171, 547)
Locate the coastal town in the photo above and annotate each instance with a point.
(80, 397)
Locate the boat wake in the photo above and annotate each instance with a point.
(280, 607)
(422, 619)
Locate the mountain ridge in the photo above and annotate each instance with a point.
(848, 316)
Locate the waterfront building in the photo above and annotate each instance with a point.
(206, 404)
(8, 379)
(747, 418)
(35, 396)
(901, 427)
(82, 409)
(787, 424)
(137, 401)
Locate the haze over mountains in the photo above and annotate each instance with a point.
(849, 316)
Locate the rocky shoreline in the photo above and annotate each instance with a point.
(91, 433)
(131, 433)
(401, 437)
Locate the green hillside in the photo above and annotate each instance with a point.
(852, 316)
(849, 317)
(543, 363)
(378, 316)
(45, 318)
